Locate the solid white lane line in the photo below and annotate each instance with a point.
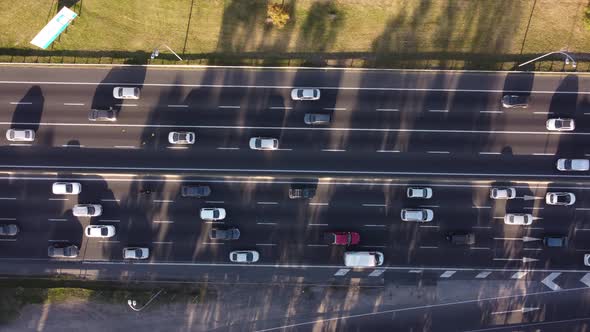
(178, 106)
(439, 111)
(543, 154)
(335, 108)
(109, 220)
(20, 103)
(373, 205)
(374, 225)
(438, 151)
(318, 204)
(109, 200)
(214, 202)
(132, 105)
(228, 148)
(280, 108)
(333, 150)
(266, 223)
(59, 199)
(495, 112)
(20, 144)
(163, 221)
(490, 153)
(73, 104)
(228, 106)
(125, 147)
(387, 110)
(317, 224)
(267, 203)
(266, 244)
(163, 201)
(390, 151)
(57, 219)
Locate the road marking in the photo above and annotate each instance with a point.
(58, 241)
(439, 111)
(281, 108)
(373, 205)
(335, 108)
(341, 272)
(415, 271)
(20, 103)
(266, 223)
(213, 222)
(20, 144)
(73, 104)
(530, 249)
(177, 106)
(447, 274)
(57, 219)
(490, 152)
(266, 244)
(376, 273)
(429, 206)
(267, 203)
(7, 198)
(162, 242)
(481, 207)
(483, 275)
(497, 112)
(428, 247)
(542, 112)
(59, 199)
(522, 310)
(132, 105)
(387, 110)
(109, 220)
(228, 106)
(543, 154)
(438, 152)
(227, 148)
(72, 146)
(333, 150)
(317, 245)
(533, 208)
(581, 229)
(163, 201)
(519, 275)
(586, 279)
(479, 248)
(548, 281)
(212, 243)
(429, 226)
(482, 227)
(214, 202)
(375, 225)
(284, 149)
(125, 147)
(583, 209)
(8, 240)
(318, 204)
(5, 219)
(177, 147)
(389, 151)
(110, 200)
(541, 228)
(163, 221)
(317, 224)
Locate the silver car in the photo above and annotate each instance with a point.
(62, 251)
(417, 215)
(109, 115)
(136, 253)
(87, 210)
(564, 164)
(244, 256)
(317, 119)
(419, 192)
(523, 219)
(560, 124)
(305, 94)
(560, 198)
(126, 92)
(263, 143)
(503, 193)
(20, 135)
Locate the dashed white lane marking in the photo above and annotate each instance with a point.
(284, 150)
(6, 219)
(482, 227)
(387, 110)
(496, 112)
(109, 220)
(440, 152)
(163, 221)
(8, 240)
(7, 198)
(58, 241)
(281, 108)
(57, 219)
(335, 108)
(333, 150)
(548, 281)
(228, 106)
(20, 103)
(163, 201)
(177, 106)
(109, 241)
(388, 151)
(341, 272)
(429, 226)
(374, 225)
(109, 200)
(586, 279)
(479, 248)
(318, 204)
(490, 152)
(20, 144)
(132, 105)
(214, 202)
(481, 207)
(162, 242)
(212, 243)
(415, 271)
(266, 244)
(542, 112)
(213, 222)
(72, 146)
(533, 208)
(73, 104)
(373, 205)
(483, 275)
(267, 203)
(376, 273)
(177, 147)
(519, 275)
(428, 247)
(59, 199)
(581, 229)
(125, 147)
(227, 148)
(317, 245)
(266, 223)
(543, 154)
(439, 111)
(447, 274)
(429, 206)
(317, 224)
(533, 249)
(583, 209)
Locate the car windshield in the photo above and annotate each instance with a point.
(69, 187)
(300, 93)
(258, 143)
(568, 163)
(90, 209)
(215, 213)
(137, 252)
(248, 256)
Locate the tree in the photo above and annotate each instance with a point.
(277, 15)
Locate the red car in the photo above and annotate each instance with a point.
(342, 238)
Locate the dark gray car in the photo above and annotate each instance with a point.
(515, 101)
(102, 115)
(317, 119)
(62, 251)
(461, 238)
(195, 191)
(8, 230)
(224, 234)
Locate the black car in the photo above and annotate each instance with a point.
(317, 119)
(555, 241)
(461, 238)
(224, 234)
(515, 101)
(195, 191)
(62, 251)
(306, 192)
(102, 115)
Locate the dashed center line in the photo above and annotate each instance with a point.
(7, 198)
(333, 150)
(280, 108)
(543, 154)
(163, 201)
(387, 110)
(429, 226)
(318, 204)
(428, 247)
(178, 106)
(227, 148)
(132, 105)
(109, 220)
(5, 219)
(481, 207)
(228, 106)
(73, 146)
(438, 151)
(20, 103)
(490, 152)
(335, 108)
(110, 200)
(214, 202)
(439, 111)
(73, 104)
(163, 221)
(389, 151)
(373, 205)
(267, 203)
(125, 147)
(266, 244)
(57, 219)
(162, 242)
(266, 223)
(317, 224)
(375, 225)
(498, 112)
(317, 245)
(542, 112)
(59, 199)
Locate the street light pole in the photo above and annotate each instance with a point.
(133, 303)
(568, 58)
(156, 52)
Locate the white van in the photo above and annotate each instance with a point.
(363, 258)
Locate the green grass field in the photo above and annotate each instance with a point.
(456, 33)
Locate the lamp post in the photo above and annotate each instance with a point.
(568, 58)
(156, 52)
(133, 304)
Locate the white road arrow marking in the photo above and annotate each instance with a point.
(521, 310)
(524, 259)
(523, 239)
(586, 279)
(549, 281)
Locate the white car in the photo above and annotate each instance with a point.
(524, 219)
(87, 210)
(305, 94)
(181, 137)
(560, 198)
(66, 188)
(264, 143)
(212, 213)
(419, 192)
(136, 253)
(126, 92)
(573, 164)
(100, 231)
(244, 256)
(561, 124)
(418, 215)
(587, 259)
(20, 135)
(503, 193)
